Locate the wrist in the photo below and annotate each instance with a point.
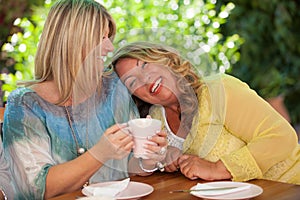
(98, 154)
(222, 172)
(146, 168)
(158, 166)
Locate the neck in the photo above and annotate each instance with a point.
(173, 115)
(173, 110)
(174, 107)
(174, 119)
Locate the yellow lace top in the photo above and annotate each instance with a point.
(237, 126)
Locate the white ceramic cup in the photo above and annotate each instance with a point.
(141, 129)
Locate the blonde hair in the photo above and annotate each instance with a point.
(73, 30)
(187, 80)
(161, 54)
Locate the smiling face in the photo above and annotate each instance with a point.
(153, 83)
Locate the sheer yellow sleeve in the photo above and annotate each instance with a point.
(269, 138)
(240, 128)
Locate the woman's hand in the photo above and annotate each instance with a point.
(195, 167)
(114, 144)
(171, 159)
(156, 154)
(157, 151)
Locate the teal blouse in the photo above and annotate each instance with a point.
(37, 134)
(5, 175)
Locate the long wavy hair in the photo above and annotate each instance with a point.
(69, 42)
(188, 82)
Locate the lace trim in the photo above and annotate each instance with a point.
(290, 167)
(292, 175)
(173, 140)
(225, 145)
(158, 112)
(241, 165)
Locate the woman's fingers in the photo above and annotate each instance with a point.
(182, 158)
(160, 139)
(171, 168)
(113, 129)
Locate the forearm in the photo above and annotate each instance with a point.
(195, 167)
(70, 176)
(261, 129)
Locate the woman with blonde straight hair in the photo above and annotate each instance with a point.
(63, 130)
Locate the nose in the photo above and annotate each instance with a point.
(110, 46)
(107, 46)
(145, 75)
(145, 78)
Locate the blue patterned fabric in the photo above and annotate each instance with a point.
(37, 134)
(5, 175)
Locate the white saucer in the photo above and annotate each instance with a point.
(133, 190)
(253, 191)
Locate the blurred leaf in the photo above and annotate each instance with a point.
(269, 60)
(193, 27)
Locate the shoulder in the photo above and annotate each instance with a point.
(225, 80)
(22, 99)
(19, 95)
(111, 82)
(217, 90)
(110, 79)
(221, 84)
(113, 86)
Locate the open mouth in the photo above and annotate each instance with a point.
(155, 86)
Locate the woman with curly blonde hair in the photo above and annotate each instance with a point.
(181, 69)
(218, 128)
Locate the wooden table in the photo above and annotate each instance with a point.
(165, 182)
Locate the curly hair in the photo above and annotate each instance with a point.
(188, 82)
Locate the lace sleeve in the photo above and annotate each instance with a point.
(241, 165)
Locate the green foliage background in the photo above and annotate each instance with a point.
(186, 25)
(270, 55)
(253, 40)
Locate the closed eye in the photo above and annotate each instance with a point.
(130, 82)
